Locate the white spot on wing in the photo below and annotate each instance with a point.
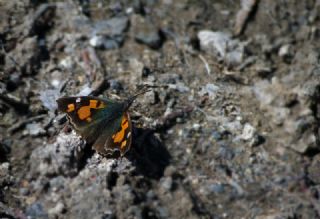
(78, 100)
(128, 135)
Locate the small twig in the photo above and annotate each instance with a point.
(205, 64)
(180, 51)
(236, 185)
(14, 102)
(246, 63)
(247, 8)
(315, 204)
(273, 19)
(4, 124)
(208, 117)
(63, 85)
(41, 17)
(6, 53)
(21, 124)
(167, 120)
(148, 86)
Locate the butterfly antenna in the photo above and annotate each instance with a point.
(130, 100)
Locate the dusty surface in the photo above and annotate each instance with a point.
(232, 129)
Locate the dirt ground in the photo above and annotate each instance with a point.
(231, 128)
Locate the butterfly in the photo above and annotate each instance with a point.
(102, 122)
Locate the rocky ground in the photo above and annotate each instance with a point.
(231, 129)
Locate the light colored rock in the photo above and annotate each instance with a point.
(285, 50)
(248, 132)
(56, 210)
(222, 46)
(210, 89)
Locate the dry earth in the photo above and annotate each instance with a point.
(231, 128)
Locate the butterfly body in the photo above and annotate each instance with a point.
(104, 123)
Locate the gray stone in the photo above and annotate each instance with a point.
(216, 188)
(35, 129)
(36, 210)
(145, 32)
(49, 97)
(314, 170)
(61, 157)
(222, 46)
(108, 34)
(150, 37)
(210, 89)
(56, 210)
(166, 183)
(112, 27)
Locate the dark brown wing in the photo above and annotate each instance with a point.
(120, 140)
(90, 116)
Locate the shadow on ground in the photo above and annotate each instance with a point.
(148, 153)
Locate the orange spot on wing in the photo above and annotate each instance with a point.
(101, 105)
(89, 119)
(123, 144)
(70, 107)
(118, 137)
(84, 112)
(124, 122)
(93, 104)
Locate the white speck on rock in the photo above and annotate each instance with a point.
(67, 63)
(284, 50)
(248, 132)
(96, 41)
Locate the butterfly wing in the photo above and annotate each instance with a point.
(119, 140)
(90, 115)
(99, 121)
